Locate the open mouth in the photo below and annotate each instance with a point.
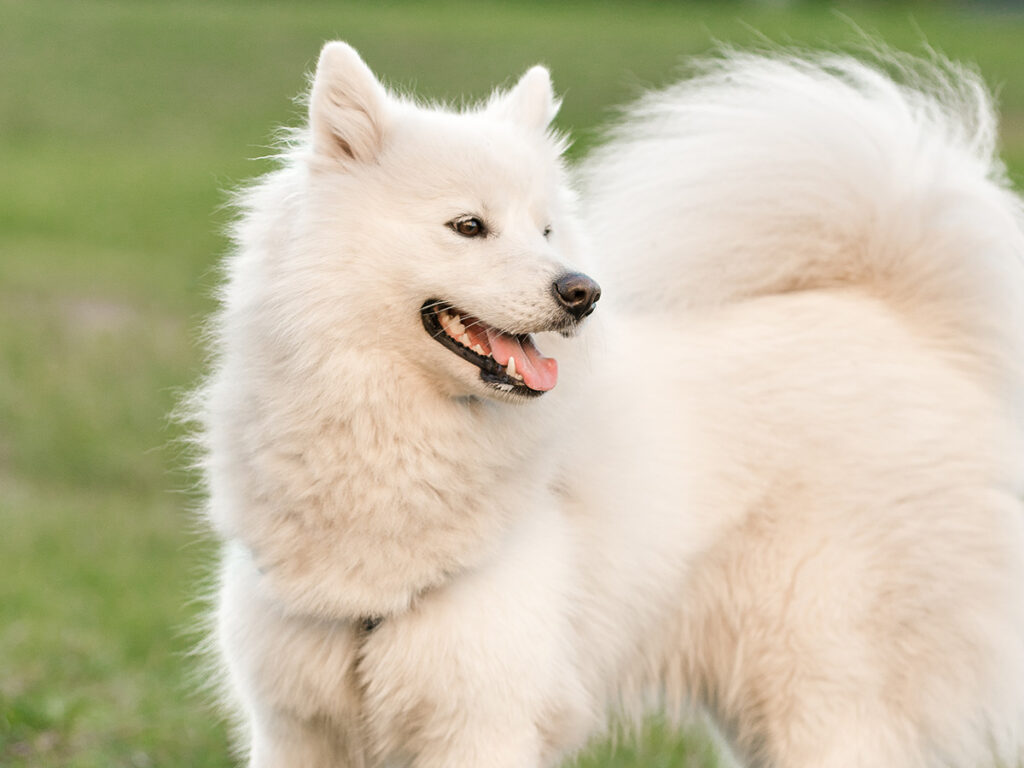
(508, 362)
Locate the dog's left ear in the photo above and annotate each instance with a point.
(531, 103)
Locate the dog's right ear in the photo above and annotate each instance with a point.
(346, 106)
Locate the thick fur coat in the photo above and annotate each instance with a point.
(779, 477)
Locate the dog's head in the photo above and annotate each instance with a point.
(452, 230)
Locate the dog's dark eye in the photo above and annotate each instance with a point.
(468, 226)
(547, 230)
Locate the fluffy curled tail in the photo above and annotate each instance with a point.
(772, 173)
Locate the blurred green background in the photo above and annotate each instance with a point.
(122, 124)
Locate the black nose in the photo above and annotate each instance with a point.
(577, 294)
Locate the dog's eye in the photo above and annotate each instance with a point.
(468, 226)
(547, 230)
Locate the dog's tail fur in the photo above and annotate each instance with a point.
(786, 172)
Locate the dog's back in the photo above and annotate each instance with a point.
(852, 244)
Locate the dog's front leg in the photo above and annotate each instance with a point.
(292, 675)
(481, 672)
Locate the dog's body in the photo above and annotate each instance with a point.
(780, 476)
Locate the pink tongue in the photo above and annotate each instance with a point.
(539, 372)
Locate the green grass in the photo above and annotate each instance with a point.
(121, 125)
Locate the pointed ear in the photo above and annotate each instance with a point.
(346, 106)
(531, 103)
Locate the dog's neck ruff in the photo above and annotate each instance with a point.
(366, 504)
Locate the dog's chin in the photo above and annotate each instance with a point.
(510, 366)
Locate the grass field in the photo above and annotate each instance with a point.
(121, 125)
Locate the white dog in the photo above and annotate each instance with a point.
(780, 476)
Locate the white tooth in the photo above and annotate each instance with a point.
(510, 369)
(458, 327)
(464, 340)
(479, 350)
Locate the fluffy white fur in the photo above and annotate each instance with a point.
(780, 475)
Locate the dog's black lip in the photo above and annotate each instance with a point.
(491, 372)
